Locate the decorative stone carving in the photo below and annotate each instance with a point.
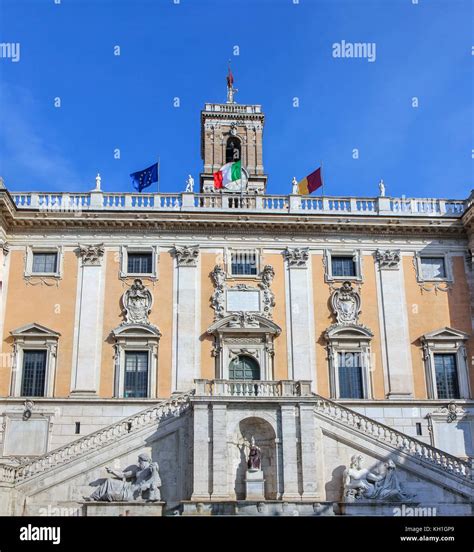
(452, 411)
(345, 303)
(218, 297)
(388, 259)
(187, 255)
(28, 411)
(362, 484)
(297, 257)
(268, 297)
(243, 320)
(91, 254)
(137, 303)
(141, 482)
(5, 248)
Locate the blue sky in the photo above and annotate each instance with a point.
(171, 50)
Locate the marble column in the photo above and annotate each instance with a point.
(394, 325)
(201, 459)
(187, 318)
(308, 452)
(220, 489)
(290, 456)
(301, 354)
(88, 322)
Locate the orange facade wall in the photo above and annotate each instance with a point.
(432, 310)
(279, 314)
(369, 317)
(208, 363)
(161, 316)
(50, 305)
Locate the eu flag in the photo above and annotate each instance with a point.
(145, 178)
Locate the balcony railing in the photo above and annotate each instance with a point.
(218, 202)
(252, 388)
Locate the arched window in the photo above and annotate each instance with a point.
(232, 150)
(244, 367)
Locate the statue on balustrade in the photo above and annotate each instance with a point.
(362, 484)
(255, 456)
(140, 482)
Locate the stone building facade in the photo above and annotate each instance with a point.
(182, 325)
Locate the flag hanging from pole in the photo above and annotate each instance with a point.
(311, 183)
(146, 177)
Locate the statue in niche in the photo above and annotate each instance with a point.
(362, 484)
(255, 456)
(141, 482)
(137, 302)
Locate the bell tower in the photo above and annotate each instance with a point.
(229, 132)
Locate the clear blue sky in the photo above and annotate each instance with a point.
(181, 50)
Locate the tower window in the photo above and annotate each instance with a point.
(243, 263)
(232, 150)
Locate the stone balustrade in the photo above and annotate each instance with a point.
(95, 440)
(407, 444)
(252, 388)
(219, 202)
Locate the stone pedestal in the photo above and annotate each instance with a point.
(122, 508)
(254, 485)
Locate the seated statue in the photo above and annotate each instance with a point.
(141, 482)
(360, 483)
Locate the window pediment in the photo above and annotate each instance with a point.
(445, 334)
(348, 331)
(34, 330)
(136, 330)
(244, 323)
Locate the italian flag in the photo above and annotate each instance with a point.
(229, 173)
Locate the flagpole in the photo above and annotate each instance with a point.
(158, 180)
(322, 180)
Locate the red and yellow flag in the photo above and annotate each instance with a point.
(311, 183)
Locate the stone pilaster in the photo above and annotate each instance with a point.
(220, 489)
(188, 318)
(201, 459)
(394, 325)
(302, 357)
(308, 452)
(88, 323)
(290, 457)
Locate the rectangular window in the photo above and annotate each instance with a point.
(34, 373)
(244, 263)
(343, 266)
(446, 376)
(136, 374)
(350, 376)
(432, 268)
(45, 263)
(140, 263)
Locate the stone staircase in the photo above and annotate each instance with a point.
(410, 447)
(61, 456)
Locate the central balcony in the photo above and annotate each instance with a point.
(252, 388)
